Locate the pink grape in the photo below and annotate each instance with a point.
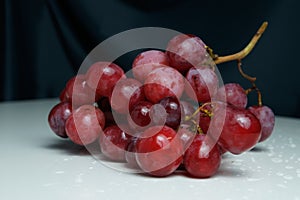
(163, 82)
(266, 118)
(147, 61)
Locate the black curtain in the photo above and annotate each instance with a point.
(43, 42)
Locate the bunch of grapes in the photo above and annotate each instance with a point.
(171, 113)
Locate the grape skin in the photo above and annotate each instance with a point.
(85, 124)
(234, 94)
(240, 130)
(78, 92)
(159, 152)
(201, 83)
(102, 77)
(148, 61)
(266, 118)
(113, 142)
(58, 116)
(163, 82)
(126, 93)
(139, 117)
(186, 51)
(202, 159)
(173, 111)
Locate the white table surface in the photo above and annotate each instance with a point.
(36, 164)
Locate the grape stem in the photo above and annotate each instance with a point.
(246, 76)
(259, 95)
(200, 109)
(252, 80)
(243, 53)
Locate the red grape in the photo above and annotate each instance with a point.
(201, 83)
(139, 117)
(234, 94)
(113, 142)
(186, 51)
(126, 94)
(78, 92)
(202, 159)
(159, 151)
(85, 124)
(266, 118)
(102, 77)
(147, 61)
(163, 82)
(240, 129)
(173, 111)
(66, 93)
(57, 118)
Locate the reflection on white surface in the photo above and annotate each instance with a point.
(35, 164)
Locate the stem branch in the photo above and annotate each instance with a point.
(243, 53)
(246, 76)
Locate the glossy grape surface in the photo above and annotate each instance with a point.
(140, 115)
(202, 159)
(240, 130)
(159, 151)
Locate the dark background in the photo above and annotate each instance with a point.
(43, 42)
